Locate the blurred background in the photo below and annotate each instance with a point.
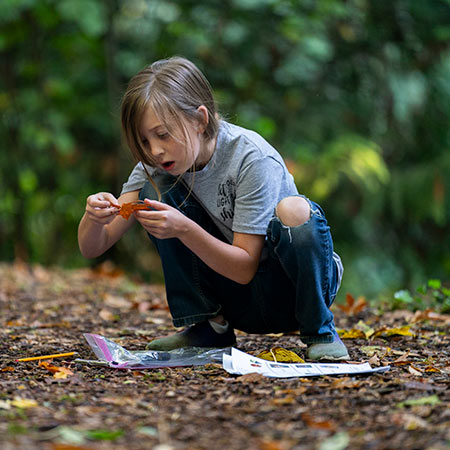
(354, 94)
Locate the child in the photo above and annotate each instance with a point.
(240, 248)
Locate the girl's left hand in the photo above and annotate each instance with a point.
(162, 221)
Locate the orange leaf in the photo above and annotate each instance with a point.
(353, 307)
(127, 209)
(58, 372)
(312, 422)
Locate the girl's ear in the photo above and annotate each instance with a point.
(203, 118)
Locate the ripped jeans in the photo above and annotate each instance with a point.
(293, 289)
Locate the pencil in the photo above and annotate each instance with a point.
(56, 355)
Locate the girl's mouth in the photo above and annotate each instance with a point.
(168, 165)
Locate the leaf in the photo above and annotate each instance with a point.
(126, 209)
(104, 435)
(24, 403)
(428, 314)
(371, 350)
(250, 378)
(402, 331)
(351, 334)
(5, 404)
(279, 354)
(414, 371)
(353, 307)
(339, 441)
(313, 422)
(61, 446)
(430, 400)
(59, 373)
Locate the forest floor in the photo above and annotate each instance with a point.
(63, 405)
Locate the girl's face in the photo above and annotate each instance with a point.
(170, 153)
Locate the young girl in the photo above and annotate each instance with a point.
(240, 248)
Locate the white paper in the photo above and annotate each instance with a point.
(241, 363)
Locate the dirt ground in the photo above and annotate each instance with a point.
(64, 405)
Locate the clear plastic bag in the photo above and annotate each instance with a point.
(118, 357)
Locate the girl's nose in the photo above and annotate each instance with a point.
(157, 150)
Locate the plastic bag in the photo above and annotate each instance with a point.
(118, 357)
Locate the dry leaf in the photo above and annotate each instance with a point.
(250, 378)
(24, 403)
(353, 307)
(288, 400)
(126, 209)
(59, 373)
(279, 354)
(351, 334)
(402, 331)
(313, 422)
(414, 371)
(107, 315)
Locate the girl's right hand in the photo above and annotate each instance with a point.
(102, 208)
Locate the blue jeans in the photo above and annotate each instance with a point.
(294, 286)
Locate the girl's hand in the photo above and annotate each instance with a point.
(102, 208)
(162, 221)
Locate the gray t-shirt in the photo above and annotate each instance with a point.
(241, 184)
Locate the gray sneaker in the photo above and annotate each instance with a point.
(330, 351)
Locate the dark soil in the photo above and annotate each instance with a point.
(47, 311)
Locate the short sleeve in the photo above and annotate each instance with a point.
(257, 193)
(136, 179)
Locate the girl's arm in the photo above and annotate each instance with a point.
(238, 261)
(101, 227)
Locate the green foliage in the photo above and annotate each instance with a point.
(354, 94)
(432, 295)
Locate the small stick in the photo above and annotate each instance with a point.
(56, 355)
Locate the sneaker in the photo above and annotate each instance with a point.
(330, 351)
(198, 335)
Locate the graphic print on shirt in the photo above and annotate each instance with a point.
(226, 194)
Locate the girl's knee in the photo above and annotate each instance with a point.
(293, 211)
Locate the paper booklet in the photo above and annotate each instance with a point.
(241, 363)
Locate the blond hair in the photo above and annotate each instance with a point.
(174, 88)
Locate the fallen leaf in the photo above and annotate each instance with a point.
(338, 441)
(5, 404)
(353, 307)
(402, 331)
(60, 446)
(429, 400)
(409, 421)
(281, 401)
(279, 354)
(351, 334)
(250, 378)
(24, 403)
(371, 350)
(313, 422)
(59, 373)
(431, 368)
(345, 383)
(107, 315)
(414, 371)
(429, 314)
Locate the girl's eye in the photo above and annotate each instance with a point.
(144, 142)
(163, 135)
